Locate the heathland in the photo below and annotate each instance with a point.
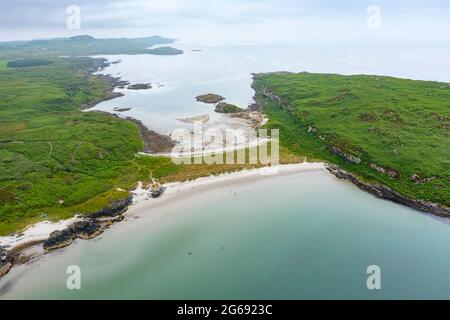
(384, 130)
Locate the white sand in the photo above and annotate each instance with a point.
(142, 201)
(36, 232)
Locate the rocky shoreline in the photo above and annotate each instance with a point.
(91, 226)
(154, 142)
(384, 192)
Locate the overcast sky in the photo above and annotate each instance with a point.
(231, 20)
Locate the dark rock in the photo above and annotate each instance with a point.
(139, 86)
(253, 107)
(384, 192)
(113, 210)
(122, 109)
(158, 192)
(210, 98)
(88, 228)
(347, 156)
(153, 141)
(59, 239)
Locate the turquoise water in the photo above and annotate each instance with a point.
(304, 235)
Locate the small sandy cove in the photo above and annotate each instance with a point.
(142, 202)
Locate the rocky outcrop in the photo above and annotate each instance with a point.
(88, 228)
(153, 141)
(210, 98)
(59, 239)
(85, 230)
(272, 96)
(156, 193)
(417, 179)
(347, 156)
(139, 86)
(384, 192)
(392, 173)
(122, 109)
(113, 210)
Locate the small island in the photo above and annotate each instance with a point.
(210, 98)
(139, 86)
(122, 109)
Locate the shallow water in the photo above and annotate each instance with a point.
(226, 69)
(303, 235)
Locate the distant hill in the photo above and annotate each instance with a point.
(84, 45)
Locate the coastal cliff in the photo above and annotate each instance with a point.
(384, 192)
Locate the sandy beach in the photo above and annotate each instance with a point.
(178, 190)
(174, 191)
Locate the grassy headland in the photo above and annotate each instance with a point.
(383, 129)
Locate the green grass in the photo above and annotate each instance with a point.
(56, 161)
(394, 123)
(3, 65)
